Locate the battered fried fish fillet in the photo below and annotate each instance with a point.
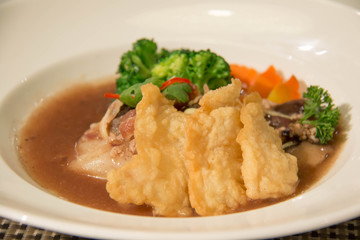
(157, 175)
(213, 156)
(267, 170)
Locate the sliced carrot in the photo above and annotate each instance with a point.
(245, 74)
(266, 81)
(270, 84)
(294, 85)
(262, 85)
(272, 75)
(284, 92)
(280, 94)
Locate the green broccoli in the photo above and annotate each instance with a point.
(321, 113)
(174, 65)
(201, 67)
(209, 68)
(136, 64)
(144, 62)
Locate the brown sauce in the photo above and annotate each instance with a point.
(46, 145)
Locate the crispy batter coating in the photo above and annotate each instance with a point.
(267, 170)
(157, 175)
(227, 96)
(212, 160)
(213, 156)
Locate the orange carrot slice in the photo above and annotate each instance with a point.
(279, 94)
(266, 81)
(284, 92)
(294, 85)
(245, 74)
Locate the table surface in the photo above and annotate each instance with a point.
(15, 230)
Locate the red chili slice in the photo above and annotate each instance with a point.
(112, 95)
(174, 80)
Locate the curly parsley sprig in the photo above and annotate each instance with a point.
(320, 111)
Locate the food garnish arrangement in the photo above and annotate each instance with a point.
(184, 133)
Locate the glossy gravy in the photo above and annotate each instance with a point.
(46, 145)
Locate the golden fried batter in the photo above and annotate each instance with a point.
(267, 170)
(212, 154)
(157, 175)
(212, 159)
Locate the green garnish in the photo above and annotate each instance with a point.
(319, 111)
(178, 91)
(132, 95)
(144, 61)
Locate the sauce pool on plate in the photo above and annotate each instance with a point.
(46, 145)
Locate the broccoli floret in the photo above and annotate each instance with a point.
(201, 67)
(136, 64)
(144, 62)
(205, 67)
(174, 65)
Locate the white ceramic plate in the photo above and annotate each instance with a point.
(45, 45)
